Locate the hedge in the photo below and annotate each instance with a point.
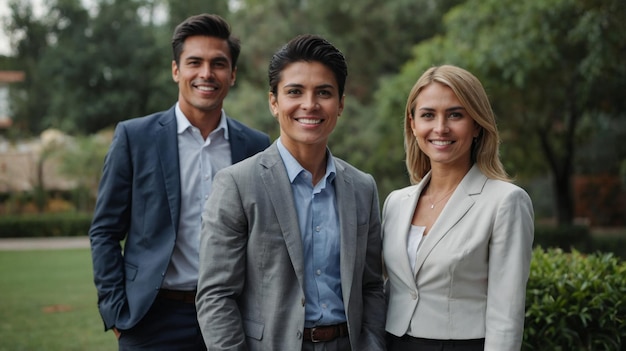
(575, 302)
(45, 225)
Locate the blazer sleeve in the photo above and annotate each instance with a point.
(510, 251)
(109, 226)
(223, 242)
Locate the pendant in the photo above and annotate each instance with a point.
(432, 206)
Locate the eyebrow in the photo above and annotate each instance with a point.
(297, 85)
(451, 109)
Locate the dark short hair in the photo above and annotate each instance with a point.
(207, 25)
(310, 48)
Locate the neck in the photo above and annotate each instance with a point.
(445, 179)
(310, 157)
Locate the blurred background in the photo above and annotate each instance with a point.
(555, 71)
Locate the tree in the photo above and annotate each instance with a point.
(548, 66)
(29, 37)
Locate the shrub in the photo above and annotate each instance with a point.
(575, 302)
(566, 237)
(45, 225)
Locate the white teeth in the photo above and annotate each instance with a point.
(203, 88)
(309, 121)
(442, 142)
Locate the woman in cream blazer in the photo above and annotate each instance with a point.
(457, 244)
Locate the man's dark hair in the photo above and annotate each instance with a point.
(309, 48)
(207, 25)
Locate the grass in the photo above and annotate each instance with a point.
(48, 302)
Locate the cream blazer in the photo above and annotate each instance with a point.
(471, 268)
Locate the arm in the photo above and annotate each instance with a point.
(510, 252)
(374, 305)
(221, 279)
(109, 226)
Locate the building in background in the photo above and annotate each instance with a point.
(6, 79)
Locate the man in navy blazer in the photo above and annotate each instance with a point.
(156, 177)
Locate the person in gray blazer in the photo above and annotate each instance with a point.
(290, 252)
(457, 243)
(157, 174)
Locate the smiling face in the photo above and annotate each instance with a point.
(307, 105)
(204, 75)
(442, 127)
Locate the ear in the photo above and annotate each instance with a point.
(233, 76)
(412, 123)
(341, 105)
(477, 130)
(273, 104)
(175, 71)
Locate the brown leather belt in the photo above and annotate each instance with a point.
(178, 295)
(326, 332)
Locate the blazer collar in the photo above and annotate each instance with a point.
(458, 205)
(277, 187)
(166, 139)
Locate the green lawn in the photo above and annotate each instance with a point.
(48, 302)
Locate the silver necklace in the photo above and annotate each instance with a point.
(432, 204)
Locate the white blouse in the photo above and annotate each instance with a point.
(414, 239)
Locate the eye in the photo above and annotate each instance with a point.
(293, 91)
(427, 115)
(325, 93)
(456, 115)
(219, 64)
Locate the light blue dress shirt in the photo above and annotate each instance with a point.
(199, 160)
(318, 220)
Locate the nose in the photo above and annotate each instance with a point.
(310, 103)
(442, 125)
(205, 71)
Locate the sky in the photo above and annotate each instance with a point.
(5, 48)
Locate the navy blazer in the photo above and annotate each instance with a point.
(139, 201)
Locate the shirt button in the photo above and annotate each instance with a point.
(318, 272)
(206, 197)
(414, 295)
(318, 228)
(324, 306)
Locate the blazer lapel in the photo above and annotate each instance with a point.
(347, 207)
(277, 185)
(237, 142)
(167, 141)
(399, 226)
(459, 203)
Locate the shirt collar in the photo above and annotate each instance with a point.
(183, 123)
(294, 168)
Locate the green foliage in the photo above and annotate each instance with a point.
(547, 66)
(45, 225)
(566, 238)
(575, 302)
(49, 302)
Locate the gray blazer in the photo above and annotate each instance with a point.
(250, 289)
(472, 267)
(139, 202)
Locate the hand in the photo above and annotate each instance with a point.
(116, 332)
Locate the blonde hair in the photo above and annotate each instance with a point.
(470, 92)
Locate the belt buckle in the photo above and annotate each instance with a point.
(313, 338)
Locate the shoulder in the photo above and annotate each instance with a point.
(349, 171)
(157, 118)
(239, 127)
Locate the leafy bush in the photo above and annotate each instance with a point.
(564, 237)
(575, 302)
(45, 225)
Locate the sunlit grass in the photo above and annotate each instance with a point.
(48, 302)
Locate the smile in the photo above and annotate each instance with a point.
(442, 142)
(309, 120)
(205, 88)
